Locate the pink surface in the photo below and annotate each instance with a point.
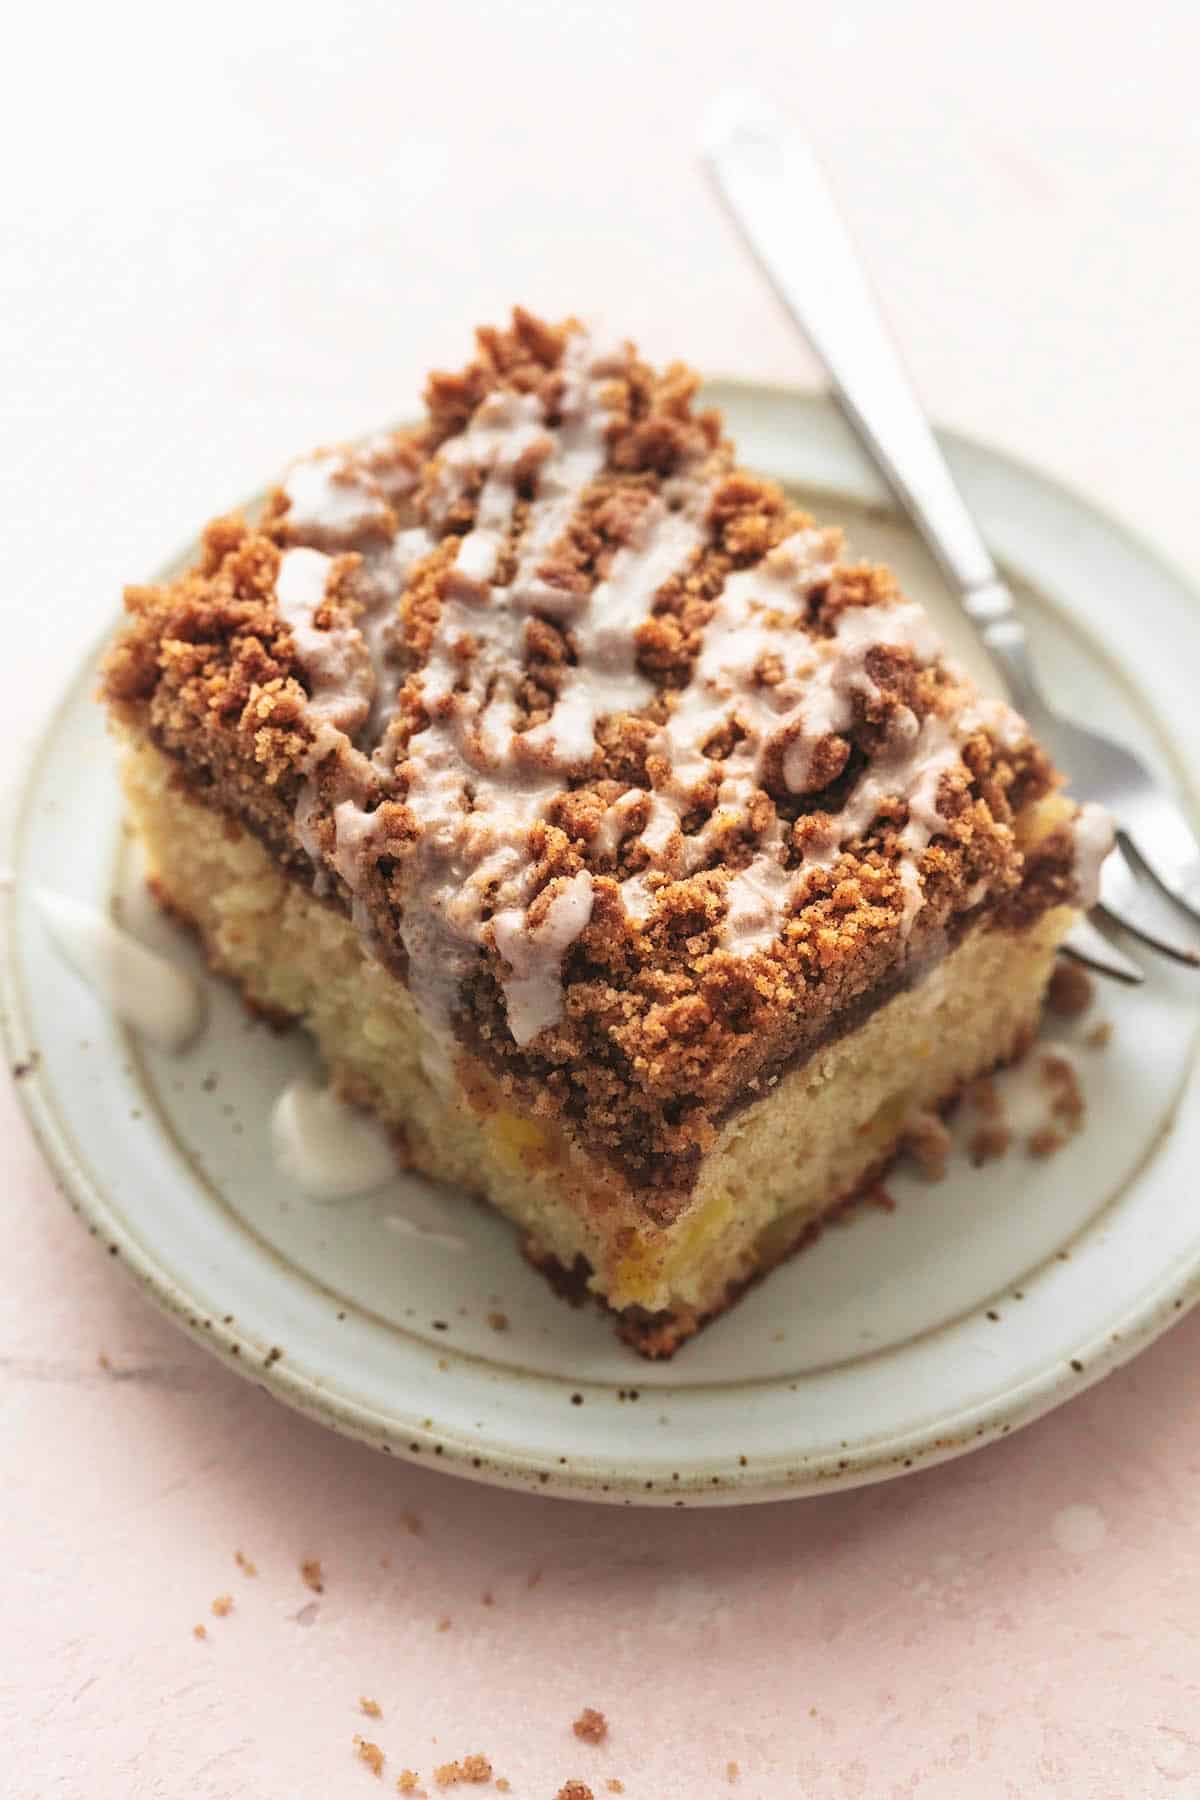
(238, 230)
(1021, 1623)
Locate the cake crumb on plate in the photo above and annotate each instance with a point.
(371, 1708)
(244, 1564)
(310, 1574)
(1071, 990)
(222, 1606)
(591, 1726)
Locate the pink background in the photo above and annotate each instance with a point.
(249, 229)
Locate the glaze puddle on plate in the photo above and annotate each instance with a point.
(896, 1339)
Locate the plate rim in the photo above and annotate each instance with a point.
(1156, 1308)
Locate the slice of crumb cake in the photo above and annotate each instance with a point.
(639, 859)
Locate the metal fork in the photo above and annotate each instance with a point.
(775, 191)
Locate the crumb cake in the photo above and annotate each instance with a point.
(635, 855)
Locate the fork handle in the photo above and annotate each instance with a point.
(777, 195)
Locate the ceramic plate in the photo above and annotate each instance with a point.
(899, 1339)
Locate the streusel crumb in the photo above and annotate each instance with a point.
(473, 1770)
(1071, 989)
(369, 1753)
(591, 1726)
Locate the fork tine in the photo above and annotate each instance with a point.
(1129, 904)
(1086, 943)
(1165, 844)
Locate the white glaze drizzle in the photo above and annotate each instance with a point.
(477, 785)
(334, 497)
(330, 1150)
(1093, 838)
(761, 614)
(145, 990)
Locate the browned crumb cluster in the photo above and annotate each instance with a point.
(473, 1770)
(574, 1790)
(244, 1564)
(591, 1726)
(310, 1574)
(663, 1030)
(1071, 989)
(409, 1782)
(200, 1631)
(371, 1708)
(369, 1753)
(222, 1606)
(498, 1321)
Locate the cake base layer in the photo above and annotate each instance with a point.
(779, 1164)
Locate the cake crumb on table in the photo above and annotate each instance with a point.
(575, 1790)
(615, 1785)
(200, 1631)
(1071, 990)
(222, 1606)
(498, 1321)
(409, 1782)
(503, 1785)
(310, 1574)
(244, 1564)
(591, 1726)
(731, 1771)
(371, 1708)
(369, 1753)
(472, 1769)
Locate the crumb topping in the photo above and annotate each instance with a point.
(606, 748)
(474, 1770)
(591, 1726)
(370, 1754)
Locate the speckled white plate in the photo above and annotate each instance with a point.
(898, 1339)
